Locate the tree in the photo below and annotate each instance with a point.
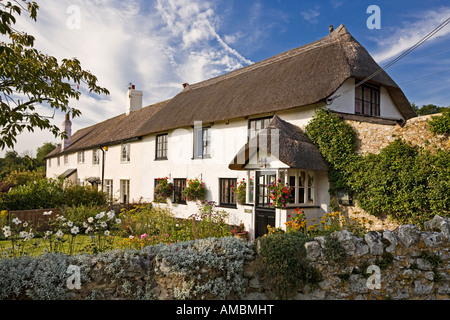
(41, 152)
(428, 109)
(29, 78)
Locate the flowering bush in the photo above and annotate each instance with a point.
(195, 190)
(279, 194)
(297, 222)
(240, 190)
(163, 189)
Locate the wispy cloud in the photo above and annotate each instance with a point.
(156, 44)
(311, 15)
(405, 37)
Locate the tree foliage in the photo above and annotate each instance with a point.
(29, 78)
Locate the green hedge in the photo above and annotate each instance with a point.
(44, 193)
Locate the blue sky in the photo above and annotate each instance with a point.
(160, 44)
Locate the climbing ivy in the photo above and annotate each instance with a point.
(403, 181)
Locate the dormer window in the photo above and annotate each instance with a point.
(367, 100)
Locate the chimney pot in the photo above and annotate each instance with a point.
(185, 85)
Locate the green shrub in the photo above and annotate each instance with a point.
(441, 124)
(45, 193)
(283, 264)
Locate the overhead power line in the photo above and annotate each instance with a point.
(404, 54)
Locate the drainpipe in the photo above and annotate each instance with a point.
(103, 166)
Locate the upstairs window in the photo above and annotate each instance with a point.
(202, 143)
(367, 100)
(81, 157)
(125, 152)
(95, 156)
(161, 147)
(256, 125)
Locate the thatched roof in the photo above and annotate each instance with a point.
(292, 146)
(299, 77)
(112, 131)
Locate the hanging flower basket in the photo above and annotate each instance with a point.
(280, 195)
(195, 190)
(163, 189)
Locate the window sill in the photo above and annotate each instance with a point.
(161, 159)
(229, 206)
(302, 206)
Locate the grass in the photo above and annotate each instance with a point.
(38, 246)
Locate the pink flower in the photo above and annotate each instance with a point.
(166, 235)
(143, 236)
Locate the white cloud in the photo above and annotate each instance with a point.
(157, 45)
(411, 33)
(311, 15)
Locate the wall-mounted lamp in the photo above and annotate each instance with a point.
(262, 162)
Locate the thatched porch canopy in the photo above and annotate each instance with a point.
(287, 142)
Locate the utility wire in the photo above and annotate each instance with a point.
(415, 46)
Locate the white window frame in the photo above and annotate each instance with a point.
(309, 187)
(66, 159)
(81, 157)
(124, 191)
(109, 189)
(125, 153)
(96, 157)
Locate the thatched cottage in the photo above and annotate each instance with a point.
(213, 131)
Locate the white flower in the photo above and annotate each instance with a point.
(25, 224)
(17, 221)
(30, 235)
(6, 233)
(85, 225)
(47, 213)
(48, 234)
(90, 219)
(110, 214)
(118, 221)
(70, 223)
(107, 233)
(23, 234)
(59, 234)
(6, 228)
(75, 230)
(103, 224)
(88, 230)
(100, 215)
(131, 237)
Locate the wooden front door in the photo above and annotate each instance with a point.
(264, 214)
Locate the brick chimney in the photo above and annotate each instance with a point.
(134, 99)
(67, 128)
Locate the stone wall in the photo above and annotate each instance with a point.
(404, 264)
(372, 137)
